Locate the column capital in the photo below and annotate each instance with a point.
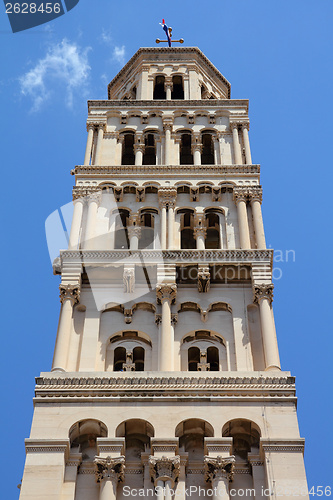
(139, 147)
(255, 193)
(167, 196)
(166, 291)
(112, 468)
(263, 291)
(219, 467)
(234, 125)
(241, 193)
(95, 197)
(90, 126)
(164, 468)
(199, 231)
(134, 231)
(167, 123)
(245, 125)
(69, 292)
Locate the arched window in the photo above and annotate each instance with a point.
(187, 239)
(119, 359)
(213, 231)
(246, 438)
(177, 87)
(149, 155)
(191, 434)
(147, 229)
(186, 156)
(193, 359)
(159, 90)
(139, 358)
(121, 240)
(128, 156)
(213, 359)
(137, 434)
(207, 154)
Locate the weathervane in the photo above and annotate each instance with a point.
(168, 32)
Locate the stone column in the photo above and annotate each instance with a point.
(246, 141)
(166, 295)
(74, 237)
(143, 84)
(99, 143)
(139, 148)
(200, 231)
(263, 295)
(87, 156)
(69, 296)
(196, 150)
(221, 144)
(219, 471)
(93, 203)
(134, 231)
(109, 472)
(168, 86)
(167, 197)
(217, 157)
(240, 197)
(167, 127)
(171, 222)
(163, 206)
(256, 199)
(237, 150)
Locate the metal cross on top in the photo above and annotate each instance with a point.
(168, 32)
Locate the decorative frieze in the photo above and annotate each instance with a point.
(181, 171)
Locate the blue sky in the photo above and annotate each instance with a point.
(277, 54)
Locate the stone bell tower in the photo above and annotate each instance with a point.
(166, 379)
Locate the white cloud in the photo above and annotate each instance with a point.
(106, 37)
(119, 54)
(65, 67)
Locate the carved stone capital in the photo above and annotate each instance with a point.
(90, 126)
(110, 468)
(167, 196)
(203, 279)
(95, 197)
(166, 291)
(199, 231)
(255, 193)
(234, 125)
(219, 468)
(69, 292)
(129, 280)
(134, 231)
(241, 194)
(139, 147)
(245, 125)
(167, 124)
(164, 468)
(196, 147)
(263, 291)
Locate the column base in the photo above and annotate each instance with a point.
(58, 369)
(272, 368)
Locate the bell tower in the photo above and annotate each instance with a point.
(166, 379)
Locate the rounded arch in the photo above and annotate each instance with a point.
(245, 434)
(192, 433)
(83, 435)
(137, 433)
(159, 88)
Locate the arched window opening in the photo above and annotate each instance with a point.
(193, 359)
(128, 156)
(133, 93)
(121, 240)
(186, 156)
(149, 155)
(83, 437)
(213, 231)
(246, 438)
(137, 434)
(147, 230)
(213, 359)
(139, 358)
(119, 359)
(191, 434)
(187, 239)
(159, 90)
(177, 88)
(207, 155)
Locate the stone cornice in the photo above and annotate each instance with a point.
(172, 103)
(260, 387)
(95, 257)
(162, 170)
(282, 445)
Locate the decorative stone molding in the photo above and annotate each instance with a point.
(111, 135)
(82, 192)
(112, 468)
(203, 366)
(128, 313)
(158, 319)
(180, 171)
(164, 468)
(69, 292)
(174, 319)
(247, 193)
(263, 291)
(203, 279)
(129, 280)
(282, 445)
(166, 291)
(219, 467)
(140, 193)
(129, 366)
